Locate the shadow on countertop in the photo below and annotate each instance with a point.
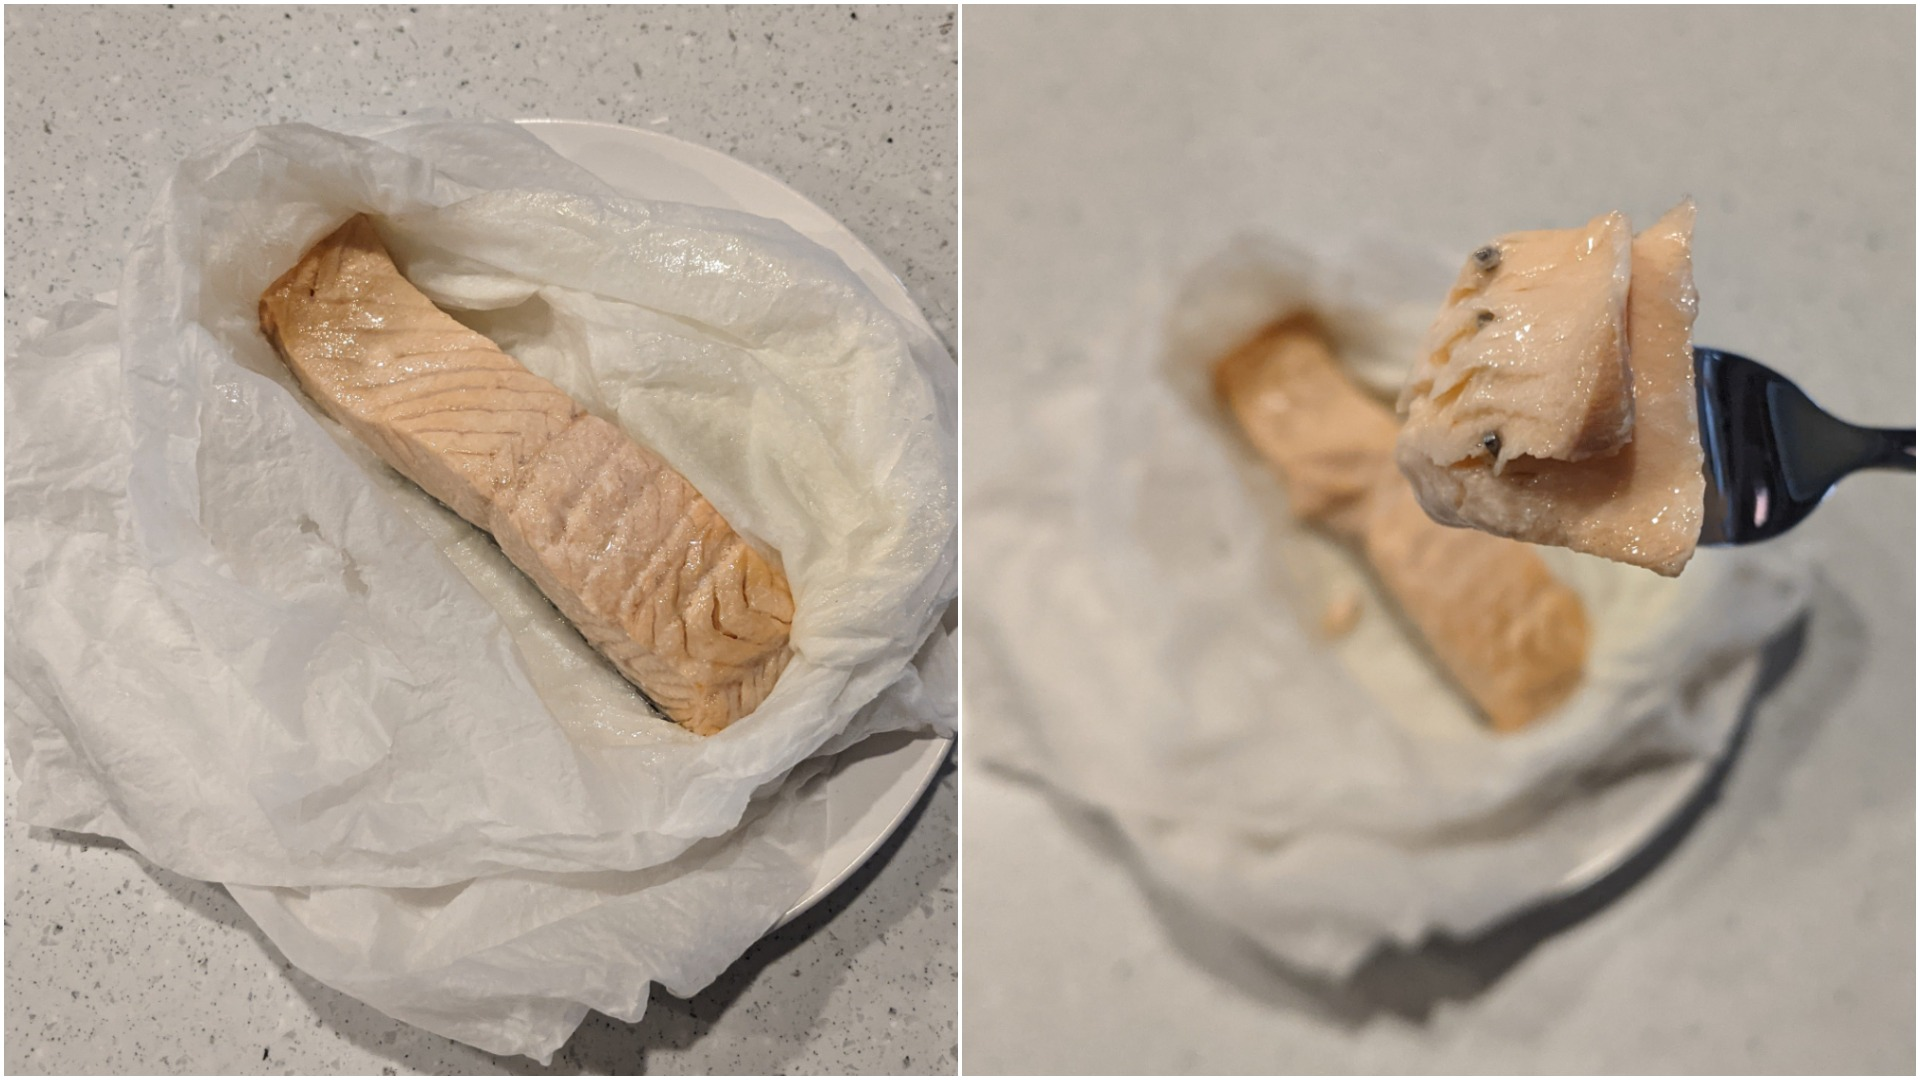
(602, 1045)
(1411, 983)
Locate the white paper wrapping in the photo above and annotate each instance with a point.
(1141, 615)
(240, 643)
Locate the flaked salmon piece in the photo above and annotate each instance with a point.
(644, 566)
(1341, 614)
(1641, 505)
(1528, 358)
(1512, 636)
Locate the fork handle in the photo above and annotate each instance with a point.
(1892, 449)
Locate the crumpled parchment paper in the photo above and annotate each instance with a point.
(1142, 639)
(240, 643)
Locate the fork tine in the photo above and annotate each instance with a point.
(1731, 430)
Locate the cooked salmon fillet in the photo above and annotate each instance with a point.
(1510, 634)
(644, 566)
(1528, 358)
(1641, 505)
(1508, 631)
(1315, 425)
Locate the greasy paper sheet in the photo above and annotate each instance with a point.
(241, 644)
(1145, 645)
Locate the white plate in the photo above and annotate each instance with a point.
(873, 786)
(1663, 809)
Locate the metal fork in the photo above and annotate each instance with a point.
(1771, 453)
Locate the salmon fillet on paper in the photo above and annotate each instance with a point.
(622, 544)
(1640, 504)
(1509, 633)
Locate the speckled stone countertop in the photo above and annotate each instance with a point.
(113, 965)
(1776, 934)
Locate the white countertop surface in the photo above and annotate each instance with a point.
(1776, 934)
(113, 965)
